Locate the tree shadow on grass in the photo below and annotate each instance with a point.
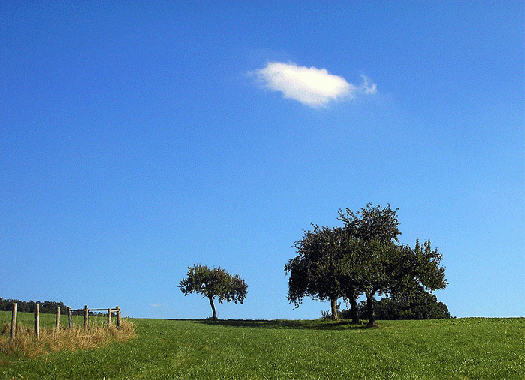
(317, 324)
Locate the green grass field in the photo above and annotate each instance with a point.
(471, 348)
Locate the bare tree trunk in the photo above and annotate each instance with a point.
(351, 296)
(353, 309)
(370, 307)
(213, 308)
(333, 305)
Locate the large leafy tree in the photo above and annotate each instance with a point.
(374, 231)
(364, 256)
(319, 270)
(378, 264)
(214, 283)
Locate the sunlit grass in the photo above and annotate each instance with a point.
(432, 349)
(27, 345)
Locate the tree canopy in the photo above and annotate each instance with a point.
(380, 264)
(213, 283)
(318, 271)
(371, 223)
(363, 256)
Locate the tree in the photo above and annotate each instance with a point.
(379, 265)
(319, 269)
(213, 283)
(364, 256)
(372, 233)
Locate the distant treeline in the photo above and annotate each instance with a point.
(30, 306)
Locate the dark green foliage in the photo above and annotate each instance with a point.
(213, 283)
(318, 271)
(30, 306)
(45, 307)
(379, 264)
(418, 304)
(362, 257)
(371, 223)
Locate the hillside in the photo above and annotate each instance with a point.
(470, 348)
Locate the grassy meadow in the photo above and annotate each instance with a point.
(469, 348)
(26, 346)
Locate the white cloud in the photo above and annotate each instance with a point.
(311, 86)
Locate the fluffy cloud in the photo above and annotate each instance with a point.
(309, 85)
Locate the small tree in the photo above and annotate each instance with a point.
(213, 283)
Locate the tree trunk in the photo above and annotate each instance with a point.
(213, 308)
(333, 305)
(370, 307)
(353, 310)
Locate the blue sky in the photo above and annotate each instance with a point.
(140, 138)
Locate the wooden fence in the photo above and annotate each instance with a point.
(69, 318)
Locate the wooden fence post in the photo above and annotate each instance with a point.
(86, 315)
(118, 317)
(13, 321)
(37, 320)
(69, 318)
(58, 319)
(109, 317)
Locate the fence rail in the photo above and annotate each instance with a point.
(86, 310)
